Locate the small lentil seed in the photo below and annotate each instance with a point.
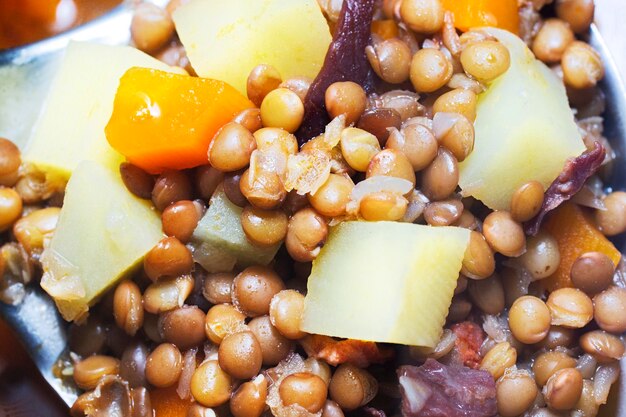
(570, 307)
(557, 336)
(306, 233)
(217, 287)
(358, 147)
(231, 148)
(460, 138)
(89, 371)
(515, 393)
(610, 310)
(603, 346)
(254, 288)
(232, 189)
(498, 359)
(351, 387)
(486, 60)
(169, 258)
(170, 187)
(222, 320)
(564, 389)
(504, 234)
(551, 41)
(383, 206)
(422, 16)
(274, 346)
(10, 207)
(378, 121)
(548, 363)
(391, 163)
(578, 13)
(151, 27)
(346, 98)
(136, 180)
(443, 213)
(180, 219)
(332, 409)
(264, 227)
(430, 70)
(457, 101)
(128, 307)
(299, 85)
(249, 399)
(542, 256)
(390, 59)
(164, 365)
(441, 177)
(529, 319)
(10, 161)
(460, 308)
(332, 197)
(478, 262)
(210, 385)
(286, 310)
(88, 338)
(266, 191)
(183, 327)
(582, 66)
(592, 272)
(167, 294)
(133, 364)
(417, 143)
(35, 227)
(262, 80)
(612, 220)
(282, 108)
(240, 355)
(487, 294)
(206, 180)
(250, 119)
(305, 389)
(527, 201)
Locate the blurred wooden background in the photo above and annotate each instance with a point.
(611, 19)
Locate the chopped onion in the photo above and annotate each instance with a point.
(588, 198)
(377, 184)
(443, 122)
(189, 367)
(417, 204)
(415, 393)
(586, 364)
(606, 375)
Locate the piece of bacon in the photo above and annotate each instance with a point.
(336, 352)
(573, 177)
(469, 338)
(345, 61)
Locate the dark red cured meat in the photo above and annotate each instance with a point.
(469, 338)
(345, 61)
(573, 177)
(372, 412)
(437, 390)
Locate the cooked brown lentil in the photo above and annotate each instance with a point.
(422, 16)
(274, 346)
(128, 307)
(286, 310)
(170, 187)
(552, 39)
(563, 389)
(441, 177)
(604, 346)
(358, 147)
(180, 219)
(416, 142)
(582, 66)
(10, 161)
(210, 385)
(352, 387)
(254, 288)
(249, 399)
(151, 27)
(222, 320)
(332, 197)
(612, 221)
(548, 363)
(262, 80)
(136, 180)
(529, 319)
(443, 213)
(485, 60)
(346, 98)
(183, 327)
(231, 148)
(217, 287)
(89, 371)
(169, 258)
(610, 309)
(282, 108)
(592, 272)
(306, 234)
(577, 13)
(10, 207)
(164, 365)
(240, 355)
(504, 234)
(305, 389)
(430, 70)
(526, 201)
(515, 393)
(206, 180)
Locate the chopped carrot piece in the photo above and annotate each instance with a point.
(336, 352)
(469, 338)
(386, 29)
(576, 234)
(167, 121)
(167, 403)
(475, 13)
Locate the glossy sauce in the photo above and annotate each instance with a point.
(27, 21)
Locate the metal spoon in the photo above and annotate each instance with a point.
(25, 74)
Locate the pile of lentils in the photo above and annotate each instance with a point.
(230, 342)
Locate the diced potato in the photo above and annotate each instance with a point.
(225, 40)
(70, 128)
(219, 242)
(385, 282)
(102, 235)
(525, 130)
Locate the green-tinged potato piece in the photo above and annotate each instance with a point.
(384, 282)
(70, 128)
(525, 129)
(225, 40)
(102, 235)
(219, 242)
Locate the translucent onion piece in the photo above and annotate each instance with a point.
(307, 171)
(443, 122)
(606, 375)
(189, 366)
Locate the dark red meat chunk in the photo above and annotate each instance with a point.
(345, 61)
(437, 390)
(576, 172)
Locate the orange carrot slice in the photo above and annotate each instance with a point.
(167, 121)
(475, 13)
(576, 234)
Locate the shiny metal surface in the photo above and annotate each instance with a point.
(25, 74)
